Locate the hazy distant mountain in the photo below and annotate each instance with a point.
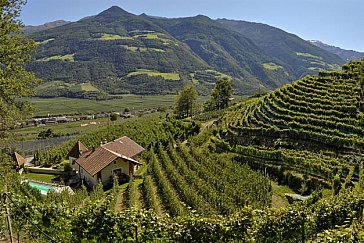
(119, 52)
(31, 29)
(299, 56)
(346, 55)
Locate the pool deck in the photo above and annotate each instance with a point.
(57, 188)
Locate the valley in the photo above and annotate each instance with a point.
(183, 129)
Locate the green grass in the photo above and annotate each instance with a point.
(141, 49)
(271, 66)
(278, 198)
(168, 76)
(195, 81)
(59, 106)
(218, 74)
(88, 87)
(40, 177)
(147, 36)
(303, 54)
(44, 42)
(68, 57)
(71, 128)
(107, 37)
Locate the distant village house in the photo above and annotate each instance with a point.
(101, 164)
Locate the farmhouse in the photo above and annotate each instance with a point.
(101, 164)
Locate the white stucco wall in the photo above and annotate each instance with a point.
(118, 164)
(106, 172)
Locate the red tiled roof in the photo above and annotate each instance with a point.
(94, 161)
(77, 150)
(124, 146)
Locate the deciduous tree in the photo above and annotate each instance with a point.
(15, 49)
(220, 95)
(186, 103)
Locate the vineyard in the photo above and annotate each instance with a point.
(212, 182)
(146, 131)
(307, 134)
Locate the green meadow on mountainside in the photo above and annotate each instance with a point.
(109, 49)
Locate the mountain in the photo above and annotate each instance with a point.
(300, 58)
(118, 52)
(31, 29)
(346, 55)
(224, 50)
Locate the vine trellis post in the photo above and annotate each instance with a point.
(8, 218)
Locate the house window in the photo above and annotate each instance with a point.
(114, 162)
(117, 172)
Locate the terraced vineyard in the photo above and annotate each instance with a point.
(180, 178)
(313, 127)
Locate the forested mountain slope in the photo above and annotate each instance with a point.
(300, 58)
(119, 52)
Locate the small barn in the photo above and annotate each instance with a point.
(19, 162)
(116, 158)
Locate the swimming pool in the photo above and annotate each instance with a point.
(43, 188)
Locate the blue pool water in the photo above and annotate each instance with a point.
(43, 188)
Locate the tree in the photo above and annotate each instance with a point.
(113, 117)
(46, 134)
(186, 103)
(15, 50)
(220, 95)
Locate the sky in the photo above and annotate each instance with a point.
(335, 22)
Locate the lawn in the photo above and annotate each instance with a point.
(40, 177)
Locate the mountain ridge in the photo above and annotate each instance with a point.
(119, 52)
(28, 29)
(346, 55)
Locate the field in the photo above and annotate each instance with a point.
(68, 57)
(45, 41)
(167, 76)
(59, 106)
(69, 128)
(141, 49)
(107, 37)
(271, 66)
